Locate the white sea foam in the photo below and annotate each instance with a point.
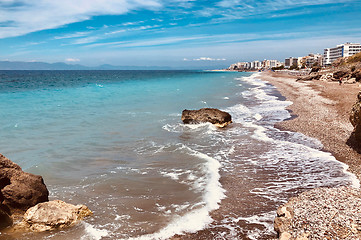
(270, 105)
(199, 217)
(93, 233)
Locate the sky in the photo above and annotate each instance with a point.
(173, 33)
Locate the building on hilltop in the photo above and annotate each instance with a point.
(343, 50)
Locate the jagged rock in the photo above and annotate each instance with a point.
(20, 190)
(326, 77)
(340, 74)
(310, 77)
(212, 115)
(355, 118)
(357, 75)
(53, 215)
(315, 69)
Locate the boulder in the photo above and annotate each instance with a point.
(315, 69)
(19, 190)
(326, 77)
(340, 74)
(357, 75)
(53, 215)
(212, 115)
(310, 77)
(355, 118)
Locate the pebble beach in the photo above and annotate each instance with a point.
(320, 110)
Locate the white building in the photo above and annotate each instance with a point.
(342, 50)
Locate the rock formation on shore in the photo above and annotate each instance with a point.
(212, 115)
(21, 191)
(321, 213)
(53, 215)
(355, 119)
(18, 190)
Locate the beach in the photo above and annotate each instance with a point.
(320, 110)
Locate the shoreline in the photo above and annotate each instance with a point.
(320, 110)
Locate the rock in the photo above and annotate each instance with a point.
(357, 75)
(340, 74)
(315, 69)
(350, 81)
(20, 190)
(326, 77)
(212, 115)
(5, 219)
(310, 77)
(355, 118)
(54, 215)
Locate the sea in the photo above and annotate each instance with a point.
(114, 141)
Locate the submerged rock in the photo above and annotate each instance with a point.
(53, 215)
(212, 115)
(19, 190)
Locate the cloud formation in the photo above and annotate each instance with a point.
(209, 59)
(19, 18)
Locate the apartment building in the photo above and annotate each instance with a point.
(291, 61)
(343, 50)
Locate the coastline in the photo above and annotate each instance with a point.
(320, 110)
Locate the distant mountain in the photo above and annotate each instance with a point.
(7, 65)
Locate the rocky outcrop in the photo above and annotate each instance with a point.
(310, 77)
(19, 190)
(321, 213)
(212, 115)
(327, 77)
(355, 118)
(340, 74)
(357, 75)
(53, 215)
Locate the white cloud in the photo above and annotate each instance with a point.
(72, 60)
(31, 16)
(73, 35)
(148, 42)
(209, 59)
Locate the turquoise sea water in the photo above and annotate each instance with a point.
(113, 140)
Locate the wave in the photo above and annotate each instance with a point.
(198, 218)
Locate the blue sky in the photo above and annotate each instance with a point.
(178, 33)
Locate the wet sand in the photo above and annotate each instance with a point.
(320, 110)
